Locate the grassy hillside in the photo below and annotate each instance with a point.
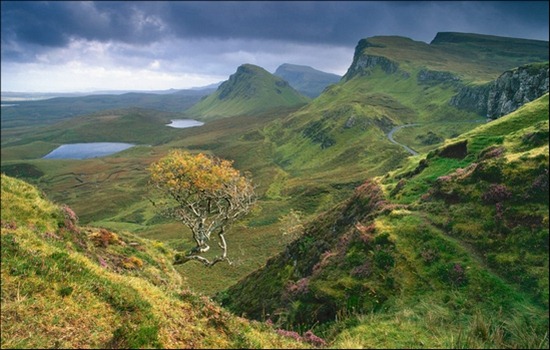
(474, 58)
(118, 183)
(393, 81)
(68, 286)
(450, 251)
(251, 89)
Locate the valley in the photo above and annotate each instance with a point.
(391, 212)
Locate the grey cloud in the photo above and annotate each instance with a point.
(52, 24)
(214, 37)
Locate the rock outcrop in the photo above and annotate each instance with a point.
(363, 64)
(430, 77)
(473, 99)
(507, 93)
(515, 88)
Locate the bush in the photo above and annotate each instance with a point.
(103, 238)
(496, 194)
(132, 263)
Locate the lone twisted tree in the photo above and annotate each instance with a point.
(205, 193)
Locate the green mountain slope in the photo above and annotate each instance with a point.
(393, 81)
(450, 251)
(471, 57)
(251, 89)
(307, 80)
(67, 286)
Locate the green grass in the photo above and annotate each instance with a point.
(438, 264)
(64, 286)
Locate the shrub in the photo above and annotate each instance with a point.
(540, 184)
(313, 339)
(70, 219)
(383, 258)
(491, 152)
(429, 255)
(132, 262)
(457, 275)
(289, 334)
(363, 270)
(298, 288)
(103, 238)
(453, 274)
(12, 225)
(496, 193)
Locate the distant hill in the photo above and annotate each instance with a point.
(52, 110)
(250, 89)
(307, 80)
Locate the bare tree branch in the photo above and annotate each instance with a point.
(206, 194)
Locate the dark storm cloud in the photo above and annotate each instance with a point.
(53, 24)
(211, 38)
(30, 27)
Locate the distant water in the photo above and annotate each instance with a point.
(87, 150)
(184, 123)
(7, 105)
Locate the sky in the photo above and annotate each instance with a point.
(83, 46)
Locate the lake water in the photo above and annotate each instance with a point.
(184, 123)
(87, 150)
(102, 149)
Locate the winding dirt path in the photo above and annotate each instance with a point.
(412, 151)
(407, 148)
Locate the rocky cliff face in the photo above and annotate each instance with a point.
(515, 88)
(363, 64)
(507, 93)
(473, 99)
(431, 77)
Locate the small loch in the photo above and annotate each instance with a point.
(184, 123)
(87, 150)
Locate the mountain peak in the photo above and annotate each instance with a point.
(247, 81)
(250, 89)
